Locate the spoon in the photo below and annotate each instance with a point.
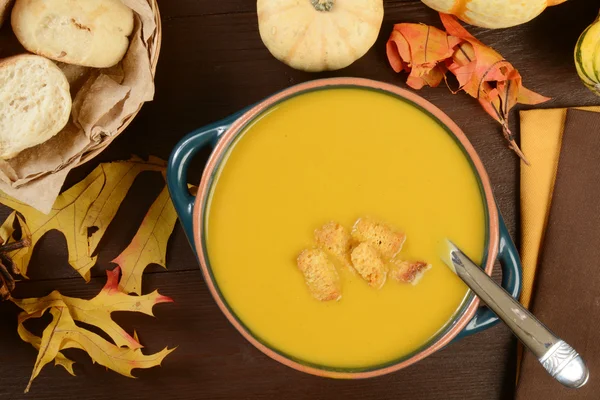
(557, 357)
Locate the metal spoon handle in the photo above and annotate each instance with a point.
(558, 358)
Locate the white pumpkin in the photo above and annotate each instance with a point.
(493, 13)
(318, 35)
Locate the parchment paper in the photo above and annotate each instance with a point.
(102, 100)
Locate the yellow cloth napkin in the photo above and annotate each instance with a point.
(541, 137)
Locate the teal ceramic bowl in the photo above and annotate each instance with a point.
(192, 212)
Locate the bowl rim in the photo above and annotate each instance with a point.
(460, 320)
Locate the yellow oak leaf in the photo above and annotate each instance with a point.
(13, 236)
(7, 236)
(83, 214)
(97, 311)
(36, 341)
(149, 245)
(92, 203)
(119, 179)
(7, 229)
(68, 212)
(62, 333)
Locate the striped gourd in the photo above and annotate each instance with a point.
(587, 57)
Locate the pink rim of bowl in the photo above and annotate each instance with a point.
(223, 145)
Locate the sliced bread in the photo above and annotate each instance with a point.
(92, 33)
(35, 103)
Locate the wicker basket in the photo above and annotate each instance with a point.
(154, 48)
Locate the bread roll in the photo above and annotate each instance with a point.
(5, 9)
(92, 33)
(35, 103)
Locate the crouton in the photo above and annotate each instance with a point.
(336, 240)
(408, 272)
(320, 275)
(368, 264)
(382, 237)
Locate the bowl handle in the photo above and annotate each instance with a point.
(179, 163)
(511, 281)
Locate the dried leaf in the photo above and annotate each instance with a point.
(63, 333)
(119, 179)
(7, 229)
(420, 50)
(92, 203)
(485, 75)
(7, 236)
(97, 311)
(36, 341)
(12, 227)
(428, 53)
(68, 212)
(7, 282)
(83, 213)
(149, 245)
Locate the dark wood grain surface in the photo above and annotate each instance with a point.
(212, 64)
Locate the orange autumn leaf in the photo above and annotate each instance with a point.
(485, 75)
(428, 53)
(420, 50)
(121, 356)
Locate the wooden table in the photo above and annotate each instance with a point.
(212, 64)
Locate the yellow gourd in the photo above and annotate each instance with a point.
(587, 57)
(318, 35)
(493, 13)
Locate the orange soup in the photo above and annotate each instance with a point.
(339, 154)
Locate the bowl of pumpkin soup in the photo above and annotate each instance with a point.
(319, 220)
